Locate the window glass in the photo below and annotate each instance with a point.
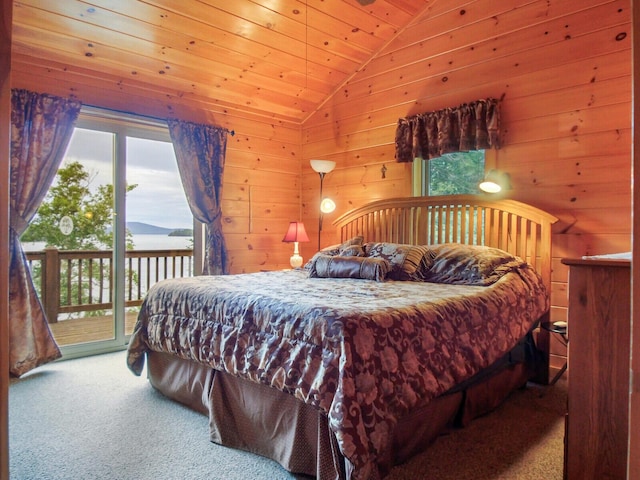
(158, 215)
(452, 174)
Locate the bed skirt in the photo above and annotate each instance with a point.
(265, 421)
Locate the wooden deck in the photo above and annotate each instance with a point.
(88, 329)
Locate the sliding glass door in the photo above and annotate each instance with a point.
(115, 221)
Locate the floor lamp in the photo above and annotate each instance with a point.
(326, 204)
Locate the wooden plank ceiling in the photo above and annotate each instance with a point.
(278, 58)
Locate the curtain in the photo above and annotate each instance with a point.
(471, 126)
(41, 127)
(200, 152)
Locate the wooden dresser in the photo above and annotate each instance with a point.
(598, 395)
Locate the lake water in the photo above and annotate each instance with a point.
(141, 242)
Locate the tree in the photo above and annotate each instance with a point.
(91, 213)
(456, 173)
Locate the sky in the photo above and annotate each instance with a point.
(158, 198)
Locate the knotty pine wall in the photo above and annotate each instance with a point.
(261, 192)
(6, 8)
(563, 72)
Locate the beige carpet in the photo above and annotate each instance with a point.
(522, 439)
(91, 418)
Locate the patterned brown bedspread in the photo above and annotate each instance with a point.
(364, 352)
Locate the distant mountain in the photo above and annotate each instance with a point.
(139, 228)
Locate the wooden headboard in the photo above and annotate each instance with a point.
(518, 228)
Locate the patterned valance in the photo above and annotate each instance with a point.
(471, 126)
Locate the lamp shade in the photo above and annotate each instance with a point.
(296, 233)
(322, 166)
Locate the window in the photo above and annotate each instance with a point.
(452, 174)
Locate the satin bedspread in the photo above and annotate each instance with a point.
(363, 352)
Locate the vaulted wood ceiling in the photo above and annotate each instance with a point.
(278, 58)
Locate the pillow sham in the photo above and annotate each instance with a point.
(339, 248)
(347, 248)
(352, 251)
(408, 262)
(460, 264)
(334, 266)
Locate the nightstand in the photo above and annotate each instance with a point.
(560, 330)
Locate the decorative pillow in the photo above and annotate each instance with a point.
(338, 249)
(352, 251)
(460, 264)
(408, 262)
(327, 266)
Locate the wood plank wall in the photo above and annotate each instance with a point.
(6, 7)
(563, 70)
(261, 192)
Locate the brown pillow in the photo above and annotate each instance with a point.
(352, 251)
(327, 266)
(338, 249)
(408, 262)
(460, 264)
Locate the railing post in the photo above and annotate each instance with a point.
(51, 275)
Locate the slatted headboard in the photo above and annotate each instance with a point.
(518, 228)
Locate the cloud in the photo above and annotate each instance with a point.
(158, 198)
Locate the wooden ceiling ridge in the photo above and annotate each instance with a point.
(416, 19)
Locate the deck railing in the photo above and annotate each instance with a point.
(74, 281)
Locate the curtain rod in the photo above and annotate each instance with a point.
(144, 119)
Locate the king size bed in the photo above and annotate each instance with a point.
(422, 318)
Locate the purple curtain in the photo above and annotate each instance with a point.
(200, 152)
(471, 126)
(41, 127)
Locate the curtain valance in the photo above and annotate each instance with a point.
(471, 126)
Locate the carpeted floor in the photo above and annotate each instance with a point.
(91, 418)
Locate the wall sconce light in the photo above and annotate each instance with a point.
(296, 233)
(495, 181)
(326, 204)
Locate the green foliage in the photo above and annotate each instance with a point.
(91, 213)
(456, 173)
(182, 232)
